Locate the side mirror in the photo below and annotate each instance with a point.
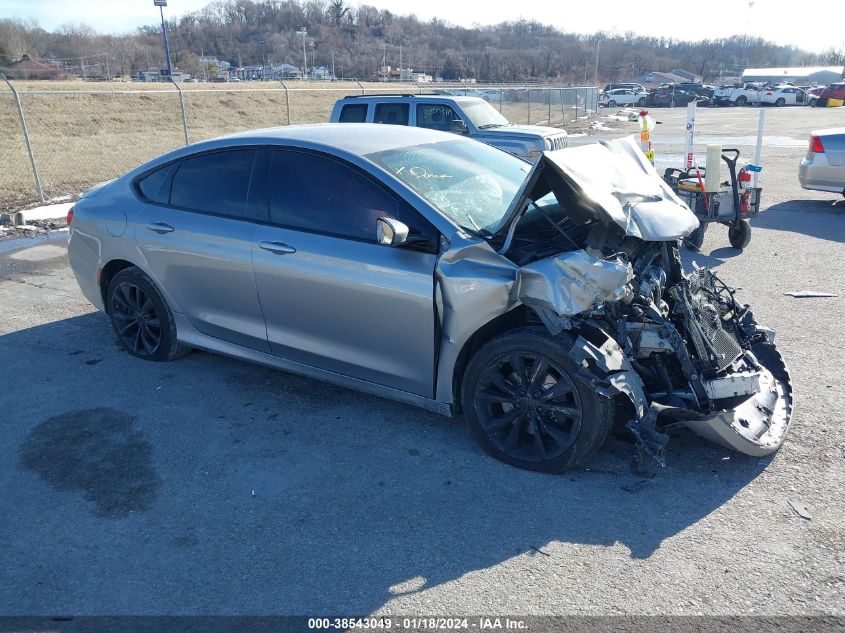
(390, 232)
(458, 127)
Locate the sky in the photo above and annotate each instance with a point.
(815, 25)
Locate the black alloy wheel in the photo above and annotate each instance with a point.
(528, 407)
(137, 322)
(141, 318)
(525, 406)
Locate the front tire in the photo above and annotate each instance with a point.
(694, 240)
(611, 104)
(525, 406)
(141, 319)
(741, 101)
(641, 102)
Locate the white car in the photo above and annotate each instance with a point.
(622, 96)
(783, 95)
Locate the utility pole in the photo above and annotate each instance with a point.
(261, 43)
(161, 4)
(303, 34)
(596, 73)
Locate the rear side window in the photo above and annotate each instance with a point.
(155, 187)
(314, 193)
(435, 116)
(216, 183)
(391, 113)
(353, 113)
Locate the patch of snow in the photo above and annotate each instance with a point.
(24, 242)
(47, 212)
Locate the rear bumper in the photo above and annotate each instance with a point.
(817, 174)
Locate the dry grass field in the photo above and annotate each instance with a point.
(85, 132)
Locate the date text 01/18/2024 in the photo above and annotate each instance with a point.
(421, 623)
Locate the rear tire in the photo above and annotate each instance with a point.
(780, 102)
(694, 240)
(740, 236)
(141, 319)
(526, 408)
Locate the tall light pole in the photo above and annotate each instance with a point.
(303, 34)
(261, 43)
(161, 4)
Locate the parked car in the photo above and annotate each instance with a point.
(783, 95)
(469, 116)
(736, 95)
(670, 96)
(432, 269)
(834, 94)
(702, 90)
(623, 96)
(823, 169)
(628, 86)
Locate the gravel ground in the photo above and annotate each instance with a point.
(211, 486)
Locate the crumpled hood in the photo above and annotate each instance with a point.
(616, 176)
(525, 130)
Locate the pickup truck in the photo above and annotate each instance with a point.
(737, 95)
(468, 116)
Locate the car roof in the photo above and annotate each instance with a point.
(352, 138)
(415, 97)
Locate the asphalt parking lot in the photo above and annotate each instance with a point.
(212, 486)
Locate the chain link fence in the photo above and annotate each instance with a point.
(61, 137)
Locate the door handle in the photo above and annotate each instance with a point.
(160, 227)
(279, 248)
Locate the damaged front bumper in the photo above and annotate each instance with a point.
(759, 422)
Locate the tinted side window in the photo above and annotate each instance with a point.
(320, 195)
(353, 113)
(435, 116)
(391, 113)
(155, 187)
(215, 183)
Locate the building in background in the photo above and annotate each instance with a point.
(654, 78)
(27, 68)
(808, 76)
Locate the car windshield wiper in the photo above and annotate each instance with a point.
(487, 126)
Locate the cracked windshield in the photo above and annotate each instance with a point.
(472, 184)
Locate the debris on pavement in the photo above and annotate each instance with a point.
(803, 294)
(801, 510)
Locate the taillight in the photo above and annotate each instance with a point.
(70, 216)
(816, 145)
(768, 94)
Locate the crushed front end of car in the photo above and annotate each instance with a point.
(594, 242)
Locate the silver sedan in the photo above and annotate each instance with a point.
(823, 169)
(544, 301)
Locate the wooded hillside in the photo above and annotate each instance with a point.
(244, 32)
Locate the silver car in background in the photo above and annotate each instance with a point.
(545, 301)
(823, 169)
